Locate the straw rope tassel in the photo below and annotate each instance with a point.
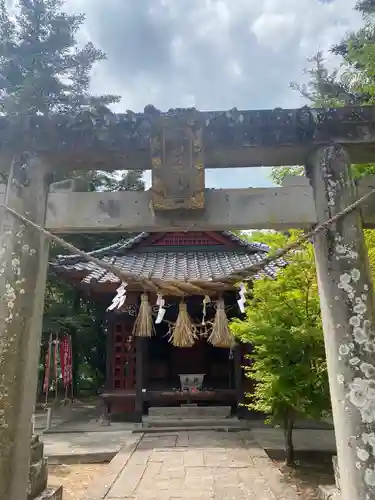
(183, 332)
(220, 334)
(143, 325)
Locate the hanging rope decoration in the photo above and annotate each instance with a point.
(220, 334)
(143, 325)
(235, 277)
(183, 333)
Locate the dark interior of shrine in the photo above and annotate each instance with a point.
(165, 362)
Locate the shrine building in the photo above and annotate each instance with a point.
(157, 369)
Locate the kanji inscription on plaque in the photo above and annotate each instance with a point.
(177, 168)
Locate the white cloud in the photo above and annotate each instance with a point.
(212, 54)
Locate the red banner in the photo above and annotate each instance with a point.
(66, 360)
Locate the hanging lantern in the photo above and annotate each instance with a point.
(143, 325)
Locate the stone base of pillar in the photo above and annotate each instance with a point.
(38, 474)
(329, 493)
(332, 492)
(51, 494)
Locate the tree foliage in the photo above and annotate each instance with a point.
(43, 70)
(352, 82)
(284, 327)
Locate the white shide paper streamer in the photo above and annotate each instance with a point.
(119, 299)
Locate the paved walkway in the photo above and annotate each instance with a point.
(194, 465)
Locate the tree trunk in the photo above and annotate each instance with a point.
(288, 434)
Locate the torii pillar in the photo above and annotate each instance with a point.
(346, 297)
(23, 268)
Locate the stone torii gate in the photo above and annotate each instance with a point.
(177, 146)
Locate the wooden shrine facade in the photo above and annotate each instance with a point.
(143, 372)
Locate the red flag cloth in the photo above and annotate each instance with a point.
(66, 360)
(46, 370)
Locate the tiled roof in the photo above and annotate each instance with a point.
(189, 265)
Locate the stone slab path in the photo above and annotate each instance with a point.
(194, 465)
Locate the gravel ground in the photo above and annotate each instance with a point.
(75, 479)
(312, 469)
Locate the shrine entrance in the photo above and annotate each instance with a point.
(177, 146)
(157, 370)
(209, 369)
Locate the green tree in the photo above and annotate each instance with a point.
(283, 326)
(44, 71)
(352, 82)
(42, 68)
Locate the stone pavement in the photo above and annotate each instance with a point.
(85, 447)
(194, 465)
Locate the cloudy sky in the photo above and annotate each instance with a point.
(211, 54)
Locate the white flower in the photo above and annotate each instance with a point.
(340, 378)
(344, 350)
(368, 370)
(359, 335)
(365, 287)
(354, 361)
(363, 454)
(370, 477)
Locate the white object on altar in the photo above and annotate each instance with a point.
(191, 380)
